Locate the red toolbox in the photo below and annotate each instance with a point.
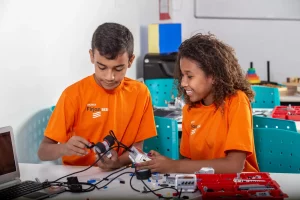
(243, 186)
(287, 112)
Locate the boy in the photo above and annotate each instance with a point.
(104, 101)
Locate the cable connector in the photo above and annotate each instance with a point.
(73, 184)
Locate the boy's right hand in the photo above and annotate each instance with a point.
(76, 145)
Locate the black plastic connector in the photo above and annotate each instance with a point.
(73, 184)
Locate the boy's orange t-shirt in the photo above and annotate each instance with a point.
(87, 110)
(209, 134)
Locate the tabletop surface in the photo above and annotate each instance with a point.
(289, 182)
(115, 190)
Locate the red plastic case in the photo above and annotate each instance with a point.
(247, 186)
(287, 112)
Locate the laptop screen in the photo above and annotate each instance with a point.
(7, 164)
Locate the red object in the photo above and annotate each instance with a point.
(164, 13)
(247, 186)
(287, 112)
(175, 194)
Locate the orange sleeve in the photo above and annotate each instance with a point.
(240, 133)
(61, 120)
(185, 137)
(147, 128)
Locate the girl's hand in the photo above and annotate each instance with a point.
(158, 163)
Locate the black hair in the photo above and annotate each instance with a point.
(218, 60)
(112, 39)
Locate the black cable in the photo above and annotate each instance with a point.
(120, 144)
(93, 186)
(152, 191)
(179, 193)
(111, 133)
(66, 184)
(159, 196)
(100, 157)
(162, 188)
(92, 165)
(112, 174)
(130, 183)
(113, 179)
(109, 176)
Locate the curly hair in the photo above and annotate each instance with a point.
(218, 60)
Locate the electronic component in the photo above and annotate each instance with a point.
(186, 182)
(170, 180)
(73, 184)
(156, 176)
(206, 170)
(143, 174)
(256, 185)
(102, 147)
(137, 156)
(263, 194)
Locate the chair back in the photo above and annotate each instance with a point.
(265, 97)
(162, 91)
(30, 137)
(267, 122)
(166, 141)
(277, 150)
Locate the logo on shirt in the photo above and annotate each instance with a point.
(96, 111)
(194, 127)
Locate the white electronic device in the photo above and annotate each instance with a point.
(186, 182)
(137, 156)
(206, 170)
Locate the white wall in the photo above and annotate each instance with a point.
(257, 41)
(44, 45)
(44, 48)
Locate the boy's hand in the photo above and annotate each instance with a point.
(109, 164)
(75, 146)
(158, 163)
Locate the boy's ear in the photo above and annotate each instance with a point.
(92, 56)
(131, 60)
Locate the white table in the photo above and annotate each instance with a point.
(295, 98)
(289, 183)
(114, 190)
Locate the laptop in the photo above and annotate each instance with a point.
(11, 187)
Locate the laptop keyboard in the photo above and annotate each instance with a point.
(21, 189)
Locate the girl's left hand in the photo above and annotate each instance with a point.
(158, 163)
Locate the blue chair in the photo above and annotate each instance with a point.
(167, 141)
(277, 150)
(162, 91)
(265, 97)
(267, 122)
(31, 135)
(52, 108)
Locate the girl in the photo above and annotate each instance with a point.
(217, 118)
